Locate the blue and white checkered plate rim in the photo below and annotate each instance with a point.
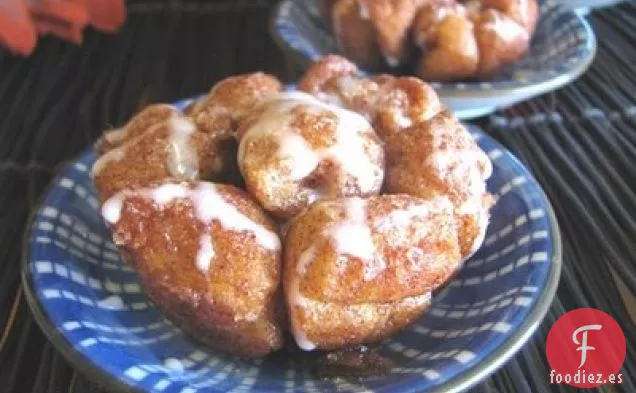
(562, 48)
(91, 305)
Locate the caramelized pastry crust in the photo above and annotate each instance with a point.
(417, 132)
(439, 157)
(357, 270)
(355, 33)
(369, 31)
(390, 103)
(476, 38)
(232, 98)
(140, 123)
(295, 149)
(357, 267)
(208, 257)
(159, 143)
(457, 39)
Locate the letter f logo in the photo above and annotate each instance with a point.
(584, 347)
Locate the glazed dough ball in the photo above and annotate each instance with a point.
(159, 143)
(358, 270)
(232, 98)
(524, 12)
(372, 30)
(475, 39)
(500, 39)
(355, 33)
(208, 257)
(391, 103)
(295, 150)
(140, 123)
(447, 35)
(439, 157)
(409, 118)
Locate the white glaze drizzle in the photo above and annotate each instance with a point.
(507, 29)
(117, 135)
(183, 162)
(471, 169)
(364, 11)
(401, 119)
(395, 225)
(417, 301)
(108, 157)
(348, 151)
(523, 12)
(111, 209)
(350, 85)
(206, 253)
(353, 86)
(297, 299)
(464, 167)
(353, 237)
(208, 205)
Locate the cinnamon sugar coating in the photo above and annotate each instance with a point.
(453, 39)
(472, 39)
(354, 267)
(390, 103)
(230, 302)
(159, 143)
(295, 150)
(374, 31)
(357, 270)
(439, 157)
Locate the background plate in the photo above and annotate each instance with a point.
(562, 48)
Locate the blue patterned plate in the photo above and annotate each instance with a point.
(562, 48)
(91, 305)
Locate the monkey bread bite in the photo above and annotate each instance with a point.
(475, 38)
(295, 149)
(390, 103)
(452, 39)
(232, 98)
(159, 143)
(371, 32)
(427, 150)
(208, 257)
(439, 157)
(357, 270)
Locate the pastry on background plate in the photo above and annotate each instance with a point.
(374, 31)
(472, 39)
(452, 40)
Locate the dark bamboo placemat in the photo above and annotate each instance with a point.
(580, 142)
